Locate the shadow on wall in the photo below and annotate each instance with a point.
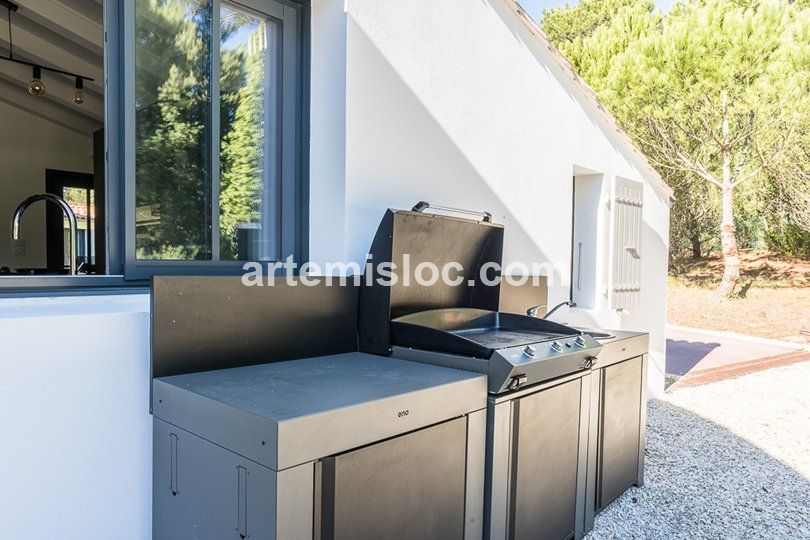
(648, 316)
(544, 58)
(684, 355)
(703, 481)
(655, 241)
(399, 153)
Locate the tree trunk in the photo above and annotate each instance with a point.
(697, 252)
(728, 241)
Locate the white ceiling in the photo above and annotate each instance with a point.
(64, 34)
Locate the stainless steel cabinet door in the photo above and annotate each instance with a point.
(544, 472)
(412, 486)
(620, 422)
(204, 492)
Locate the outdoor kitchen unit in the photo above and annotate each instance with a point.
(269, 424)
(539, 372)
(618, 403)
(618, 420)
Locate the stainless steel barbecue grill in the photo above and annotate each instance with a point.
(538, 371)
(460, 325)
(519, 350)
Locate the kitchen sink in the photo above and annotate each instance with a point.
(595, 334)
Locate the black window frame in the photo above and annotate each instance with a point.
(123, 273)
(294, 137)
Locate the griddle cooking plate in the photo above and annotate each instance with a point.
(472, 332)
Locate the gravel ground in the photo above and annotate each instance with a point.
(725, 460)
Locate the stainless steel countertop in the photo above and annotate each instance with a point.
(287, 413)
(285, 390)
(623, 345)
(618, 335)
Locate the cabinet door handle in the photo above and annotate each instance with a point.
(242, 502)
(173, 460)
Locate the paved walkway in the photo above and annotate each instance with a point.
(699, 356)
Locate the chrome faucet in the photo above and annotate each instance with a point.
(532, 311)
(18, 213)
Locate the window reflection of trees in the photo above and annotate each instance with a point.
(173, 93)
(242, 94)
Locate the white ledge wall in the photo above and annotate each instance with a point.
(457, 103)
(76, 436)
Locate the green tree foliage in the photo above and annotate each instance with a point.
(172, 95)
(693, 226)
(571, 25)
(242, 124)
(786, 201)
(677, 83)
(592, 33)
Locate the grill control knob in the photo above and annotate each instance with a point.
(517, 381)
(528, 350)
(588, 362)
(579, 341)
(556, 346)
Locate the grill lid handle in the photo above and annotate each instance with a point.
(421, 206)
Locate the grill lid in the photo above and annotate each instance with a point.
(405, 239)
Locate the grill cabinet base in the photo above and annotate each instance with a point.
(536, 461)
(340, 447)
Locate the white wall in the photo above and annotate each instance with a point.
(28, 146)
(456, 103)
(327, 194)
(76, 434)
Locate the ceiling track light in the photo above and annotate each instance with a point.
(78, 97)
(36, 87)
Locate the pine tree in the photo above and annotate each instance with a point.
(706, 92)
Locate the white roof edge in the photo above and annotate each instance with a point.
(590, 96)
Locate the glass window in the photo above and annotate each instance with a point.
(82, 202)
(207, 171)
(248, 142)
(173, 123)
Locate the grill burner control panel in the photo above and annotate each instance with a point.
(515, 367)
(556, 346)
(546, 349)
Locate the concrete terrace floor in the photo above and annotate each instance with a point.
(699, 356)
(729, 459)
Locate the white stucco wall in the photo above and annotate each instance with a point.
(457, 103)
(75, 430)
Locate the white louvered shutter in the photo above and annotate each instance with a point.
(624, 288)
